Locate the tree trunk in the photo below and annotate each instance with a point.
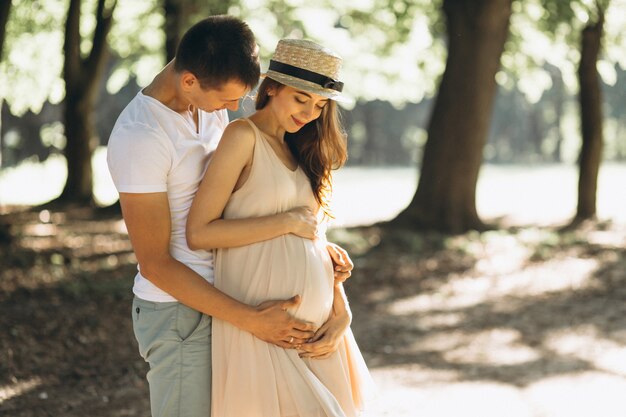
(5, 8)
(174, 20)
(591, 120)
(81, 140)
(537, 133)
(179, 15)
(371, 148)
(445, 199)
(82, 77)
(559, 105)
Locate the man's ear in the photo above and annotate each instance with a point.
(187, 80)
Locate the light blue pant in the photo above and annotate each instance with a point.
(176, 341)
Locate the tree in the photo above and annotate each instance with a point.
(82, 77)
(174, 17)
(594, 31)
(591, 16)
(445, 199)
(590, 99)
(180, 14)
(5, 8)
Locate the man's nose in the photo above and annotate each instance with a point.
(233, 106)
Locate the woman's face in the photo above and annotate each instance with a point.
(294, 108)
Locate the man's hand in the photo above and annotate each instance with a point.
(273, 324)
(327, 338)
(342, 264)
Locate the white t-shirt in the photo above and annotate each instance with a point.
(155, 149)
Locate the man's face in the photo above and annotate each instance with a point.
(209, 100)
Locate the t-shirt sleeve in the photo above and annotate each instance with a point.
(139, 160)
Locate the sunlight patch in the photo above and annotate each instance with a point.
(485, 399)
(584, 342)
(18, 388)
(492, 347)
(439, 320)
(580, 395)
(569, 274)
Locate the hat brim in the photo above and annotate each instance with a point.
(307, 86)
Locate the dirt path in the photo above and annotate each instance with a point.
(524, 322)
(528, 323)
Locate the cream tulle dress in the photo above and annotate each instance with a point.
(252, 378)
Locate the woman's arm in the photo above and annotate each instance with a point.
(147, 218)
(328, 337)
(342, 263)
(205, 227)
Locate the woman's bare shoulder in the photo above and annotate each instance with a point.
(240, 129)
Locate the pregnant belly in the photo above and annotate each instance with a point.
(279, 269)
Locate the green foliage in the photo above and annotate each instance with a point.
(138, 39)
(394, 50)
(548, 31)
(31, 68)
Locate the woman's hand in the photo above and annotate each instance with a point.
(327, 338)
(342, 264)
(302, 222)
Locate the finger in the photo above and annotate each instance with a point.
(292, 302)
(321, 355)
(324, 356)
(335, 254)
(283, 344)
(318, 335)
(342, 276)
(317, 346)
(303, 338)
(345, 257)
(291, 342)
(297, 342)
(303, 326)
(309, 349)
(302, 335)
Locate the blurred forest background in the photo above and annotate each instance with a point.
(532, 84)
(451, 300)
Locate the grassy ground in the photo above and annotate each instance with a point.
(518, 322)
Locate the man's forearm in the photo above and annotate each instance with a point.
(188, 287)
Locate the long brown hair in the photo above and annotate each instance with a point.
(319, 146)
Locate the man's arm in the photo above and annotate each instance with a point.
(147, 217)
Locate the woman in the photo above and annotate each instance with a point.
(265, 188)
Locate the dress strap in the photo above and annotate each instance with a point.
(251, 123)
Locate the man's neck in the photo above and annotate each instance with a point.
(164, 88)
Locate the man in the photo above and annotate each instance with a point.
(157, 155)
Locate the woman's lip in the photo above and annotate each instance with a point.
(296, 121)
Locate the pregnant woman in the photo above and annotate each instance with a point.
(264, 191)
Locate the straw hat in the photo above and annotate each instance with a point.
(307, 66)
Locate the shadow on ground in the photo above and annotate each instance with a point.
(513, 306)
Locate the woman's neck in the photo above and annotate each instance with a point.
(268, 124)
